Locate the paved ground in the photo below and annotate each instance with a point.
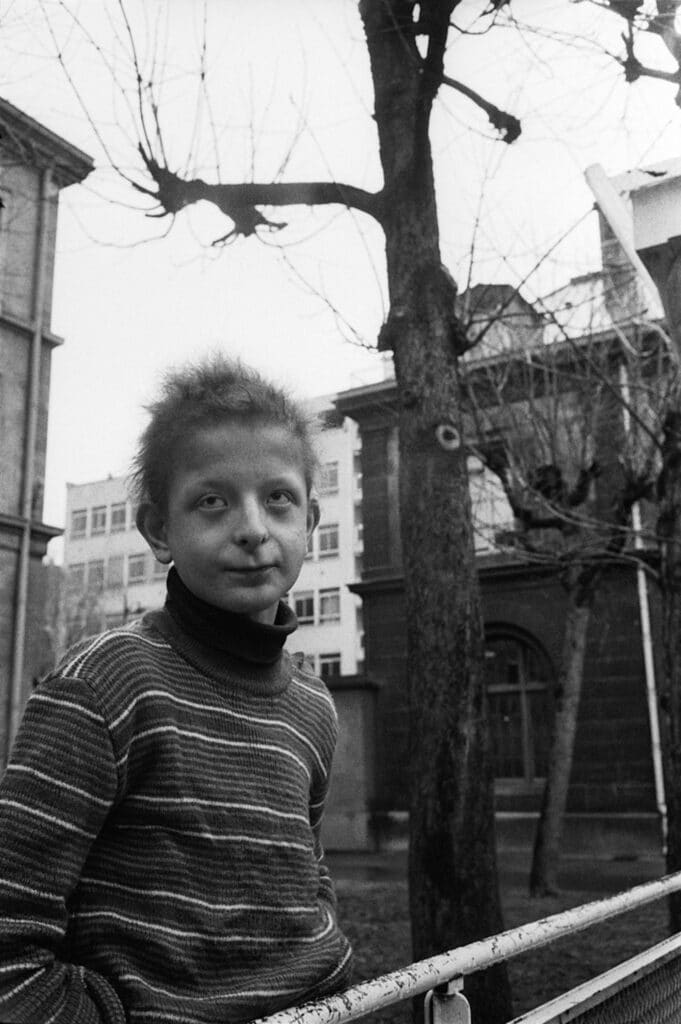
(580, 873)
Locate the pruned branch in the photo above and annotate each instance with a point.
(241, 202)
(506, 124)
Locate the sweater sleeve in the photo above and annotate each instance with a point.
(54, 797)
(318, 795)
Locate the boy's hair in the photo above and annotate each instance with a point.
(204, 394)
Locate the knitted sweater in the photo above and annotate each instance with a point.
(160, 858)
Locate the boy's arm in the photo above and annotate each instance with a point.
(55, 795)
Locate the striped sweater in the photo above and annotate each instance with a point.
(160, 857)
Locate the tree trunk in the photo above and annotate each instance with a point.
(664, 263)
(454, 894)
(547, 844)
(669, 531)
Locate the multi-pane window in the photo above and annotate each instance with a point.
(79, 522)
(114, 571)
(304, 606)
(98, 520)
(95, 574)
(328, 482)
(118, 517)
(76, 578)
(136, 568)
(329, 665)
(329, 605)
(328, 540)
(518, 685)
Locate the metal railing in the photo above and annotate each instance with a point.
(653, 977)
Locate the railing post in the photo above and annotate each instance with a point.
(447, 1004)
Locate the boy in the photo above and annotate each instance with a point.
(160, 858)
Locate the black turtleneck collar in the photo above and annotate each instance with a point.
(228, 632)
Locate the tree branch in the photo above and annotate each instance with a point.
(503, 122)
(240, 202)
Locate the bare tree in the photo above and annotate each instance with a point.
(549, 420)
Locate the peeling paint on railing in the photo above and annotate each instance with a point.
(423, 975)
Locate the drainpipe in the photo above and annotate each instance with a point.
(646, 641)
(14, 707)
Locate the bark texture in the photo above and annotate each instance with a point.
(546, 854)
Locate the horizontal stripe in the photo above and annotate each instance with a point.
(34, 922)
(218, 741)
(215, 907)
(144, 925)
(227, 994)
(219, 710)
(52, 818)
(222, 805)
(215, 838)
(29, 890)
(43, 698)
(59, 783)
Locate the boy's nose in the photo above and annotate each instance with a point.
(251, 529)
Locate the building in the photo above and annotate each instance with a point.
(113, 576)
(613, 802)
(35, 164)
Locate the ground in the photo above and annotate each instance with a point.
(373, 911)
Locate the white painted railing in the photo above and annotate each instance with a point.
(441, 977)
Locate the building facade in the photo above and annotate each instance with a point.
(613, 801)
(35, 164)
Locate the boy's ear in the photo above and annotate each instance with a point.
(151, 524)
(313, 511)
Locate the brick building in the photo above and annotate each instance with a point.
(613, 800)
(35, 164)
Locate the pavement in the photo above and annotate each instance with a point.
(583, 873)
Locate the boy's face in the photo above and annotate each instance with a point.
(237, 517)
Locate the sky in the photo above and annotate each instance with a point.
(274, 90)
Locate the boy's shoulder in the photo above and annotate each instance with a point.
(134, 643)
(304, 675)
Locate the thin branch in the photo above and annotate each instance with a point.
(507, 124)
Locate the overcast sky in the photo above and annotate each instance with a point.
(287, 93)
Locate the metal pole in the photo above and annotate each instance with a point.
(14, 706)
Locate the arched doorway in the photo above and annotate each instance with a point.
(519, 680)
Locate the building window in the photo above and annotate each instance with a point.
(328, 540)
(357, 470)
(95, 574)
(329, 605)
(310, 546)
(76, 577)
(98, 520)
(114, 571)
(136, 568)
(518, 680)
(79, 522)
(304, 606)
(328, 483)
(119, 517)
(491, 513)
(330, 665)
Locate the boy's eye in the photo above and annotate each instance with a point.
(281, 498)
(211, 501)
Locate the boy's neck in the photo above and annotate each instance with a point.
(234, 634)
